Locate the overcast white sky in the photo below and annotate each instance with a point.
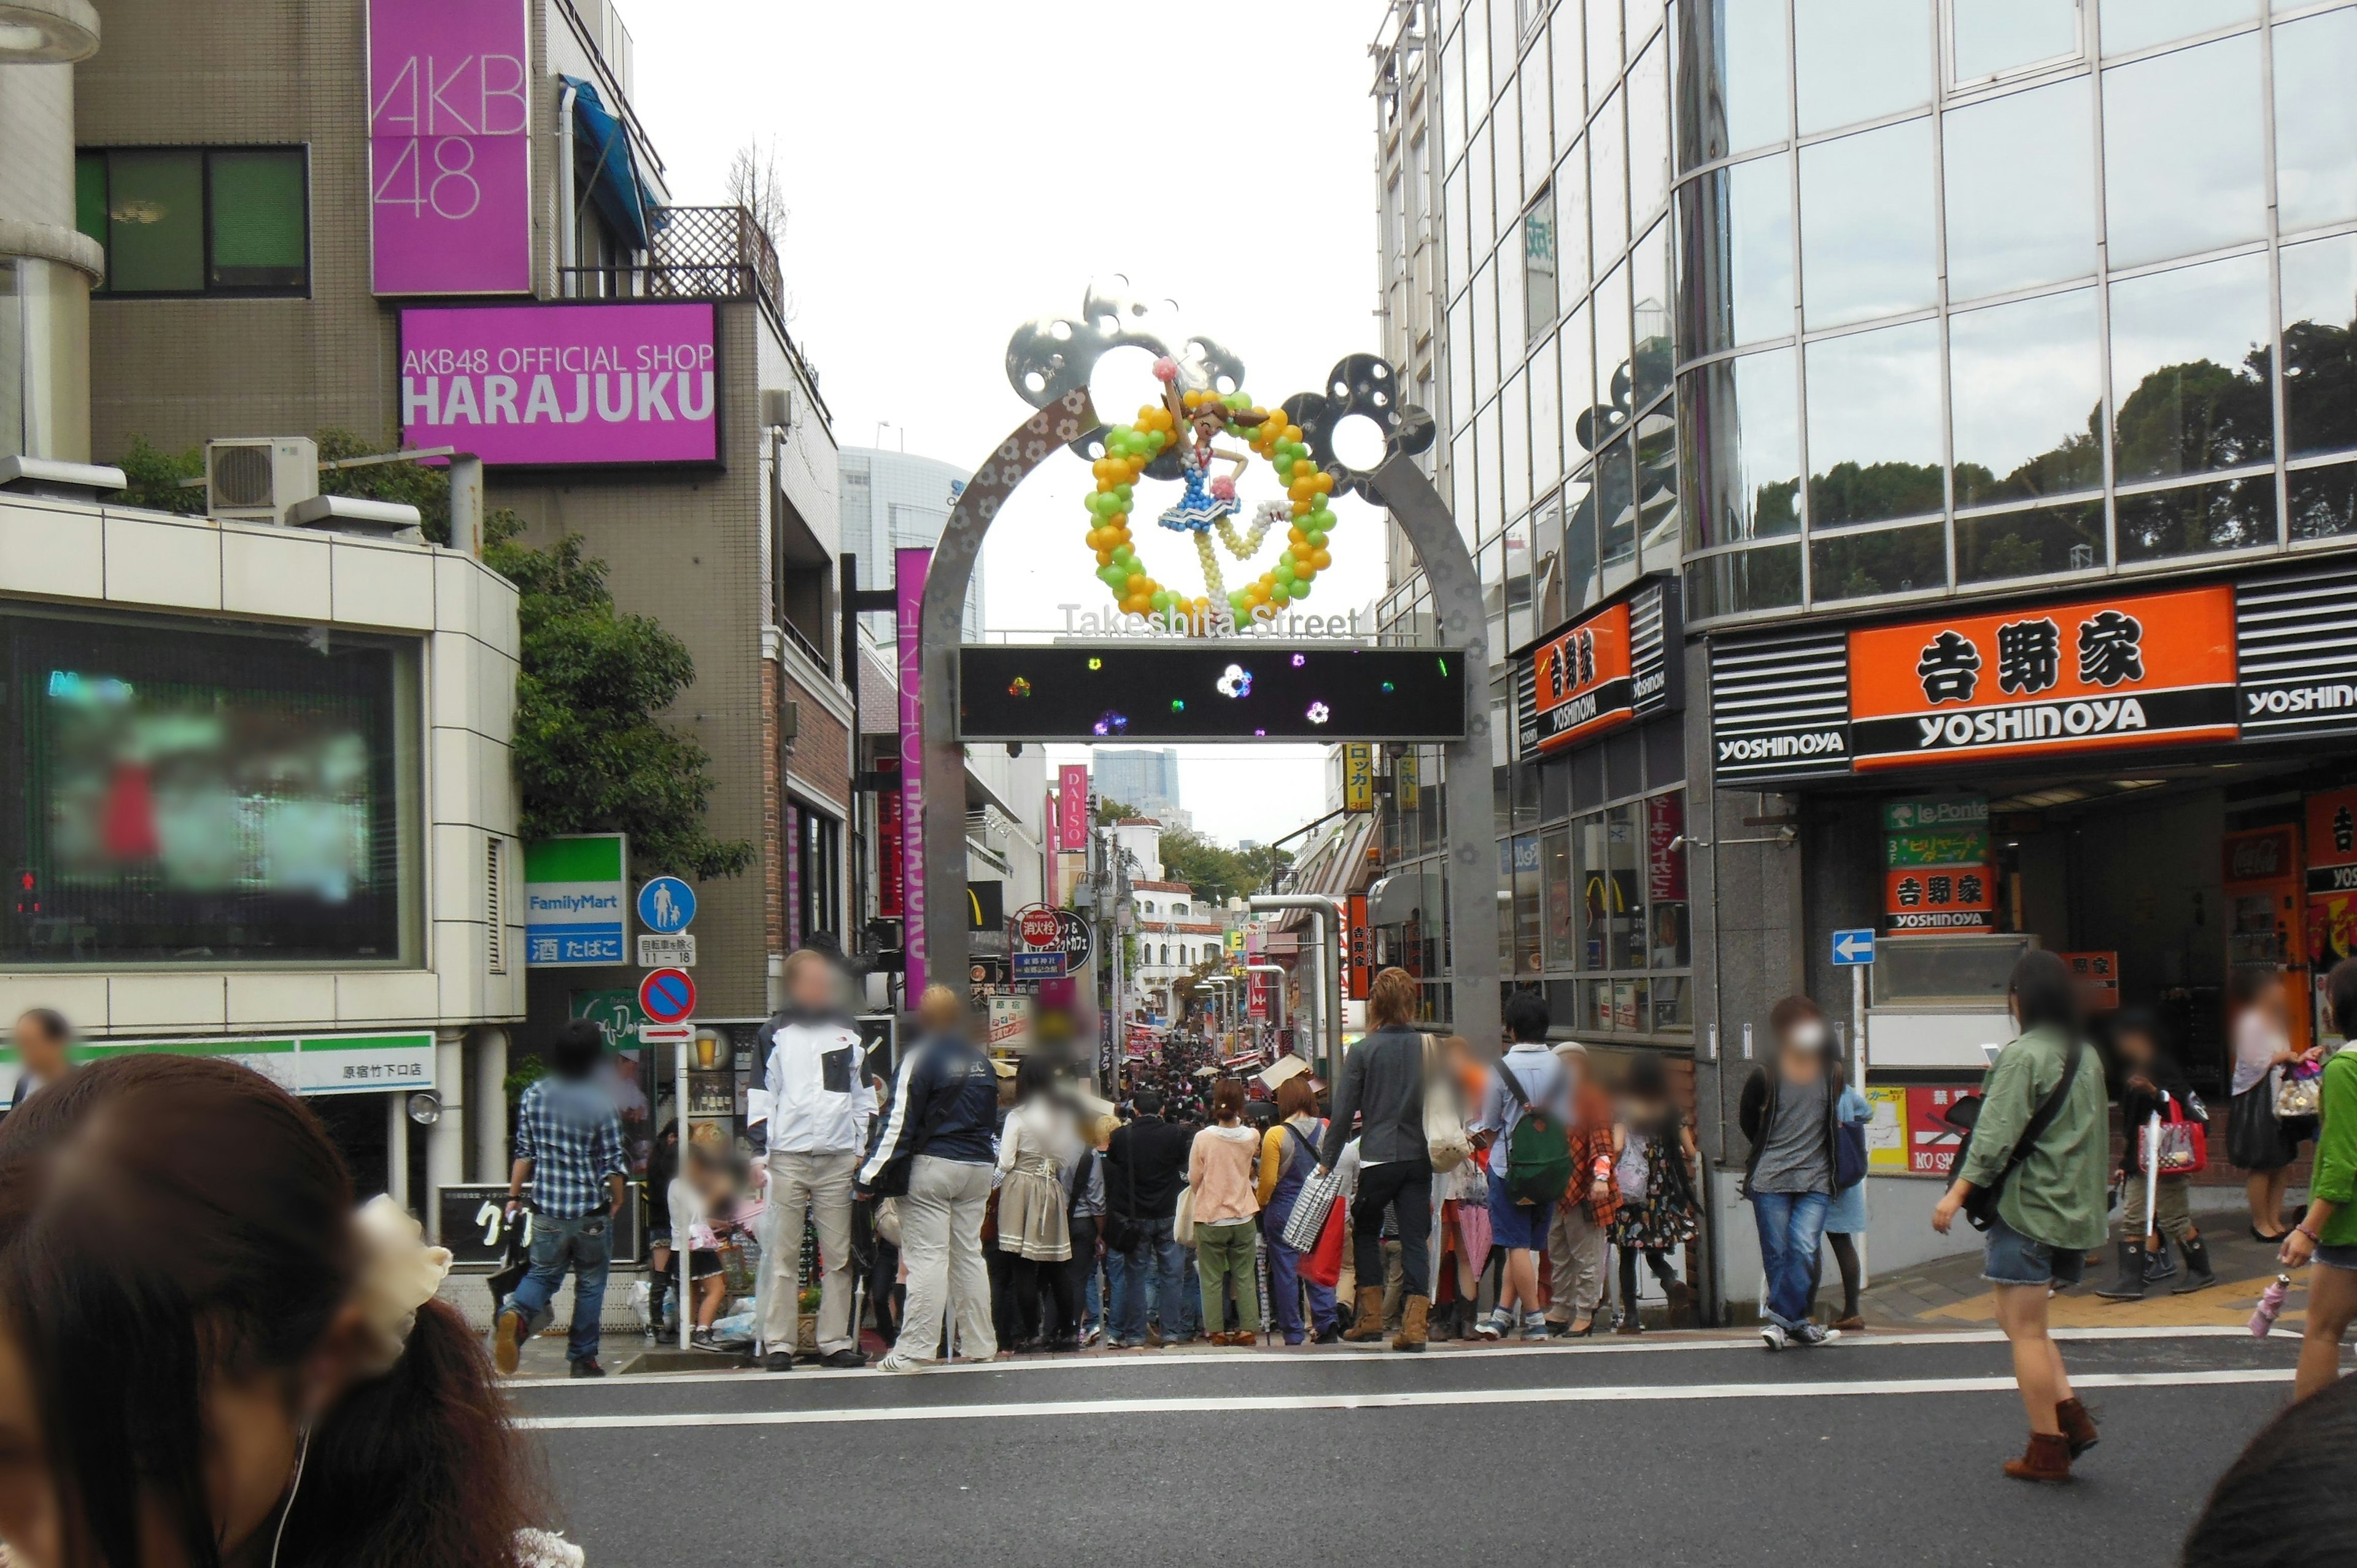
(954, 170)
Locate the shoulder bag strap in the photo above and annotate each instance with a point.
(2043, 1117)
(1514, 1086)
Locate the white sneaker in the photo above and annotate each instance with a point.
(1490, 1326)
(897, 1362)
(1774, 1337)
(1810, 1333)
(1535, 1326)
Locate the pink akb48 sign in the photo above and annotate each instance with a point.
(561, 385)
(449, 147)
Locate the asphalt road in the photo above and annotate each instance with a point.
(1880, 1451)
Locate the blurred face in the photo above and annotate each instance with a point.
(44, 1057)
(813, 988)
(2136, 1049)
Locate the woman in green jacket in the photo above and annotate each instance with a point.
(2050, 1201)
(2327, 1234)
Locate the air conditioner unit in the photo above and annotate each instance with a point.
(258, 480)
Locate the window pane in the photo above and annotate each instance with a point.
(1649, 133)
(1860, 59)
(2316, 120)
(1570, 191)
(1505, 37)
(1649, 290)
(1594, 864)
(2184, 169)
(1603, 43)
(1477, 61)
(1570, 88)
(1745, 580)
(1732, 88)
(1994, 36)
(1486, 518)
(1736, 224)
(1892, 561)
(1742, 420)
(1513, 339)
(1671, 941)
(1464, 499)
(1869, 243)
(1554, 861)
(1627, 948)
(2027, 388)
(258, 220)
(1514, 418)
(1640, 20)
(1547, 587)
(1616, 513)
(1526, 906)
(1578, 384)
(1582, 570)
(1992, 547)
(1485, 331)
(2189, 371)
(2195, 519)
(1461, 359)
(1519, 629)
(2131, 25)
(1481, 194)
(1492, 564)
(156, 217)
(2324, 502)
(1459, 221)
(1612, 351)
(1453, 97)
(1874, 425)
(2320, 316)
(2005, 232)
(90, 195)
(1657, 490)
(1538, 145)
(1546, 419)
(1506, 147)
(1608, 191)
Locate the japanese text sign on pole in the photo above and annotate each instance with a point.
(575, 888)
(1853, 947)
(1072, 807)
(667, 996)
(449, 147)
(909, 569)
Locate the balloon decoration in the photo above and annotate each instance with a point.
(1191, 421)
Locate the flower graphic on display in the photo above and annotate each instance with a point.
(1235, 681)
(1320, 713)
(1299, 659)
(1112, 723)
(1019, 687)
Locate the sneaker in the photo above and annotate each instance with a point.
(1774, 1337)
(587, 1367)
(843, 1358)
(897, 1362)
(1810, 1333)
(1095, 1333)
(1491, 1324)
(702, 1339)
(1534, 1327)
(508, 1332)
(778, 1361)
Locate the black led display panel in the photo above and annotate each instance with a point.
(1220, 690)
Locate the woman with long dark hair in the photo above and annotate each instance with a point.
(208, 1356)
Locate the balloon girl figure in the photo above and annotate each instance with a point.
(1210, 501)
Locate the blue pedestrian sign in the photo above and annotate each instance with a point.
(1853, 947)
(666, 905)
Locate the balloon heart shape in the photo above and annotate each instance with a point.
(1208, 505)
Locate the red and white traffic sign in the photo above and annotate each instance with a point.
(667, 995)
(1038, 927)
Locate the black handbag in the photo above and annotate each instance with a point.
(1980, 1204)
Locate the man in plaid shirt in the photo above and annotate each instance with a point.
(568, 1146)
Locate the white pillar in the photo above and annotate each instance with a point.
(446, 1141)
(396, 1147)
(488, 1093)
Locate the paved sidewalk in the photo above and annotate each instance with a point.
(1951, 1293)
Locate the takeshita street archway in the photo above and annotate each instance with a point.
(1049, 362)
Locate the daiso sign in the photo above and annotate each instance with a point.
(563, 385)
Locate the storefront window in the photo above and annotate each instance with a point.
(1554, 868)
(1527, 962)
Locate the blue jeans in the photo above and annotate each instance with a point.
(1156, 1253)
(1791, 1228)
(1285, 1287)
(585, 1246)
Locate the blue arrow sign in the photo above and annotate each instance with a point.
(1852, 947)
(666, 905)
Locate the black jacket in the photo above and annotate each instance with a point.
(1381, 1084)
(1145, 1165)
(2137, 1108)
(1755, 1112)
(943, 1103)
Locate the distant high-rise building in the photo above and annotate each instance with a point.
(1147, 780)
(892, 500)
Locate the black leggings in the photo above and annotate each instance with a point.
(1026, 1277)
(1071, 1281)
(1845, 1254)
(1658, 1261)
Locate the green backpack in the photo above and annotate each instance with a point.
(1538, 1154)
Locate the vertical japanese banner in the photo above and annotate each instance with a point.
(1072, 807)
(449, 147)
(891, 854)
(794, 858)
(909, 569)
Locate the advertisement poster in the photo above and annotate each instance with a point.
(1931, 1144)
(1073, 806)
(1358, 777)
(563, 385)
(1886, 1135)
(449, 147)
(576, 889)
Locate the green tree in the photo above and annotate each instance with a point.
(156, 479)
(1217, 873)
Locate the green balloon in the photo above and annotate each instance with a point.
(1300, 590)
(1237, 600)
(1314, 534)
(1280, 592)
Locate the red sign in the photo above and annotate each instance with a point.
(2139, 669)
(1931, 1144)
(1072, 807)
(1361, 953)
(1960, 899)
(2263, 856)
(667, 995)
(1584, 682)
(1665, 868)
(1038, 927)
(2097, 978)
(891, 854)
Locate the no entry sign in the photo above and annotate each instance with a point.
(667, 996)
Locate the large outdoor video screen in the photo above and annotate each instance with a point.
(180, 792)
(1233, 690)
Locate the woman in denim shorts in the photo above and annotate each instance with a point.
(2049, 1197)
(2327, 1234)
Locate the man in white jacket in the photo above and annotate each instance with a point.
(819, 1109)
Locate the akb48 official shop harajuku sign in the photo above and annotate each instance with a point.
(2274, 657)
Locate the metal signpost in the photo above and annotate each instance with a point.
(1854, 951)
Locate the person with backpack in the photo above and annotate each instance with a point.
(1790, 1111)
(1288, 1153)
(1524, 1121)
(2153, 1085)
(2032, 1174)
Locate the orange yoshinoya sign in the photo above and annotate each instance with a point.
(2136, 669)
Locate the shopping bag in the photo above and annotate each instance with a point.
(1306, 1224)
(1323, 1265)
(2302, 1091)
(2177, 1146)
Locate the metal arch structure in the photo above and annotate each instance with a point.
(1397, 484)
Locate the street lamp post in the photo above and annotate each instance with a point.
(1327, 971)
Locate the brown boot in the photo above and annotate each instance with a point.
(1370, 1326)
(2047, 1459)
(2078, 1426)
(1415, 1320)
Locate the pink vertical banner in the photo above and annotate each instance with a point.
(1073, 806)
(449, 147)
(909, 569)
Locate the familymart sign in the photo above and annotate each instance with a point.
(301, 1064)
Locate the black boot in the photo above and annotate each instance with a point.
(2198, 1272)
(2130, 1286)
(2160, 1263)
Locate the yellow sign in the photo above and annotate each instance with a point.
(1885, 1135)
(1235, 942)
(1358, 778)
